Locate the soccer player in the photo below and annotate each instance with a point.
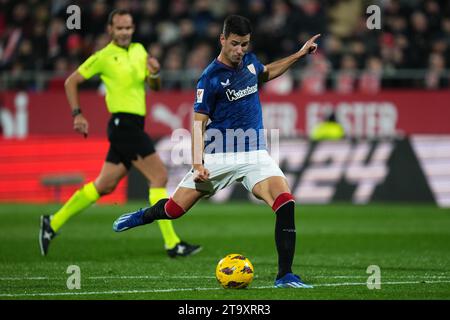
(227, 95)
(124, 67)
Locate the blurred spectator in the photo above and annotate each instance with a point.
(101, 41)
(40, 46)
(199, 58)
(74, 49)
(56, 37)
(419, 35)
(432, 10)
(98, 17)
(179, 9)
(333, 47)
(280, 85)
(256, 11)
(156, 50)
(314, 75)
(307, 17)
(201, 16)
(358, 51)
(172, 65)
(147, 22)
(274, 29)
(187, 33)
(25, 55)
(34, 36)
(62, 71)
(345, 79)
(434, 78)
(370, 80)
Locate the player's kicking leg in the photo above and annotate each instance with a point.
(165, 209)
(152, 167)
(275, 192)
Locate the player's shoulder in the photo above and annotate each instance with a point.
(137, 46)
(103, 51)
(250, 57)
(210, 73)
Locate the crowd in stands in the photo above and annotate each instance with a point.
(412, 48)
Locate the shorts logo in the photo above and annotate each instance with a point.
(200, 95)
(252, 69)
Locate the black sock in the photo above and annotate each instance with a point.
(155, 212)
(285, 237)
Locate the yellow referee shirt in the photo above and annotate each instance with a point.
(123, 72)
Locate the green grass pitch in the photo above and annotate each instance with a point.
(335, 245)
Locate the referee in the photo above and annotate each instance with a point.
(124, 67)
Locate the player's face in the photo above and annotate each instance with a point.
(121, 30)
(234, 47)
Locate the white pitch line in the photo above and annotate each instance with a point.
(107, 277)
(152, 277)
(382, 283)
(212, 277)
(45, 294)
(384, 276)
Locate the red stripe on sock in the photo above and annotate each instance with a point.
(173, 210)
(281, 200)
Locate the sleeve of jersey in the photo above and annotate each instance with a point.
(258, 65)
(204, 97)
(145, 55)
(91, 66)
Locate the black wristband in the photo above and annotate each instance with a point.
(76, 112)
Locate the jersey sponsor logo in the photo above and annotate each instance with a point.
(251, 68)
(236, 95)
(226, 83)
(200, 95)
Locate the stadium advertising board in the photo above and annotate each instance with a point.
(399, 148)
(386, 114)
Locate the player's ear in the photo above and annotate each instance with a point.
(222, 39)
(109, 29)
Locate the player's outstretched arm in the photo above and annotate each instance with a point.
(80, 124)
(277, 68)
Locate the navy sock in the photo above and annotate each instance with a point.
(155, 212)
(285, 236)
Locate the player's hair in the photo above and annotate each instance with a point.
(120, 12)
(237, 25)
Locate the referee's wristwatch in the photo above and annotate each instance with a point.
(76, 112)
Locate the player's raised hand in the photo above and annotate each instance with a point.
(153, 65)
(81, 125)
(310, 46)
(201, 174)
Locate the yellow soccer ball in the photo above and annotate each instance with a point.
(234, 271)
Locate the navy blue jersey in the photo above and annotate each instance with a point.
(229, 96)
